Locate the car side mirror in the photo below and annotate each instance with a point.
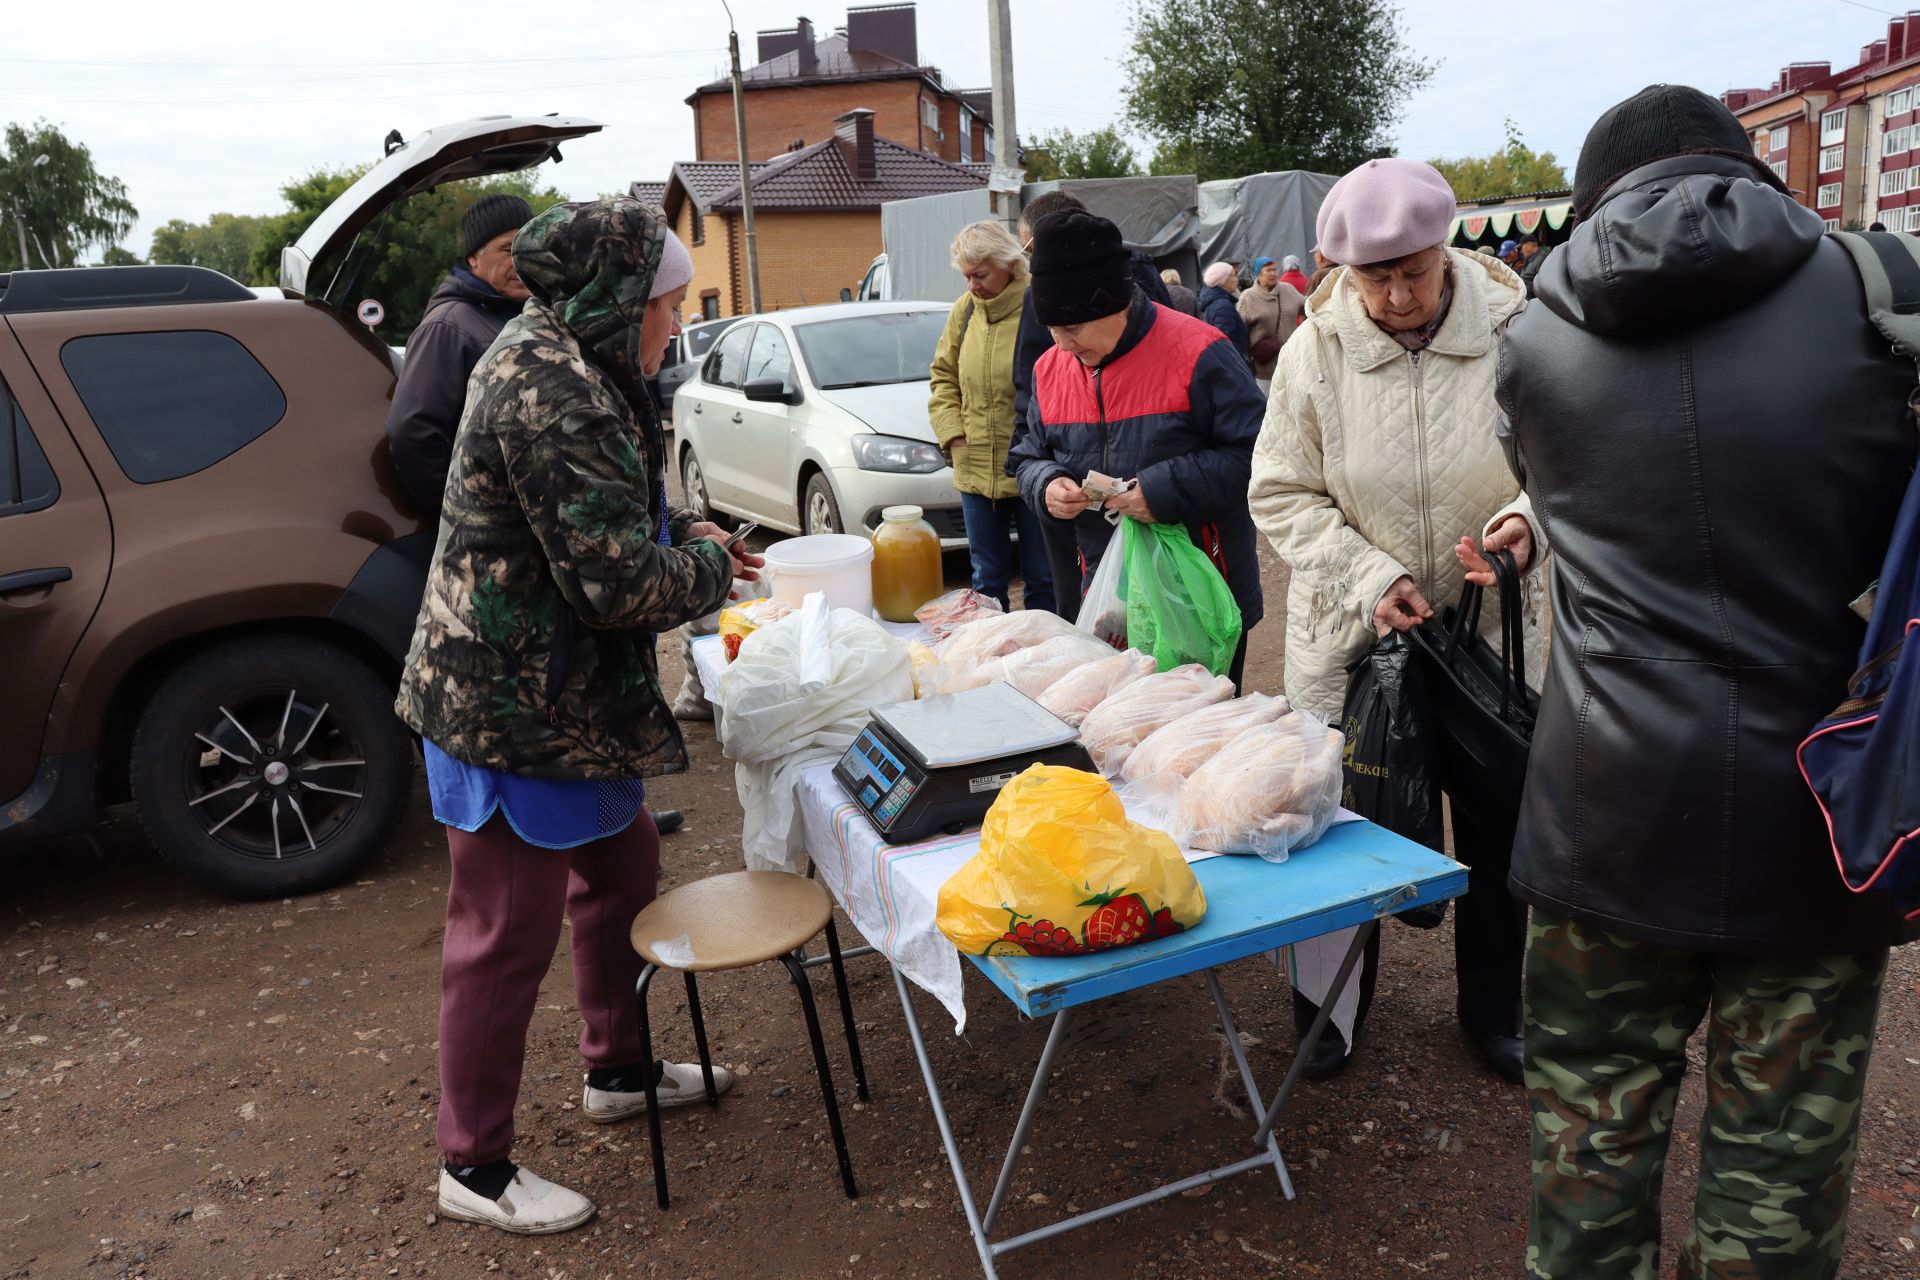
(846, 294)
(768, 391)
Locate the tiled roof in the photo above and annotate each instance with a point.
(649, 193)
(706, 179)
(834, 62)
(821, 177)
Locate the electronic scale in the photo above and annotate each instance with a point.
(937, 764)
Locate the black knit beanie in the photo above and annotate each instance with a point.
(1659, 121)
(490, 216)
(1080, 269)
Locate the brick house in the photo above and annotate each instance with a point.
(816, 215)
(1848, 142)
(802, 84)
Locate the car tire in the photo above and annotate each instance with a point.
(270, 766)
(693, 487)
(820, 510)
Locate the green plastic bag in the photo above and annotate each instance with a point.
(1179, 608)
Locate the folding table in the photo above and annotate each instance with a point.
(1354, 875)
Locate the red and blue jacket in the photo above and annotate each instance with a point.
(1174, 406)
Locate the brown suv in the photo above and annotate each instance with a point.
(208, 569)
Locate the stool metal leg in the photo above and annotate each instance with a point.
(653, 1091)
(799, 975)
(700, 1038)
(846, 1010)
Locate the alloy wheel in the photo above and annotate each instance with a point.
(271, 774)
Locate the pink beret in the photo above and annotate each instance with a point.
(1383, 210)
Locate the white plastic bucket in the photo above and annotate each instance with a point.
(837, 564)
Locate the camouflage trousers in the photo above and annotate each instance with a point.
(1607, 1022)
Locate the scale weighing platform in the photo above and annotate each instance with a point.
(937, 764)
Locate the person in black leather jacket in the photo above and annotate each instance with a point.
(1716, 443)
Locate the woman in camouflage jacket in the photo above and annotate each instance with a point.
(533, 683)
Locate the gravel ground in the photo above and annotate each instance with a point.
(191, 1087)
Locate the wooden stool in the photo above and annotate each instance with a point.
(729, 922)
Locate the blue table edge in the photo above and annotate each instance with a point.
(1412, 875)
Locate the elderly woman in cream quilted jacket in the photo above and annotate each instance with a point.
(1377, 458)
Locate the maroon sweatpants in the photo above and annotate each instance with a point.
(504, 906)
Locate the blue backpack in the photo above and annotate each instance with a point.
(1863, 760)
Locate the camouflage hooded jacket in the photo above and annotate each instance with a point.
(533, 653)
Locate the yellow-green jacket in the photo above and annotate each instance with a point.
(973, 390)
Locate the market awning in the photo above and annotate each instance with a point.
(1520, 217)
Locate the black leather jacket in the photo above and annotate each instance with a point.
(1716, 443)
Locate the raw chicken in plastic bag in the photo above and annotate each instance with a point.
(1121, 723)
(1032, 671)
(1103, 610)
(975, 644)
(1171, 753)
(942, 615)
(1272, 790)
(1077, 693)
(775, 726)
(925, 662)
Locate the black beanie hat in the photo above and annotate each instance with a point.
(1079, 269)
(1659, 121)
(490, 216)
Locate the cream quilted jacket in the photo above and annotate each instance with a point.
(1373, 461)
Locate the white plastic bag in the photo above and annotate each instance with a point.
(1273, 789)
(1118, 725)
(691, 702)
(1033, 671)
(1103, 610)
(1169, 755)
(774, 727)
(1077, 693)
(943, 615)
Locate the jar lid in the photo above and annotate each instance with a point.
(901, 513)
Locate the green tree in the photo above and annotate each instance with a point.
(1233, 87)
(119, 256)
(1097, 153)
(224, 242)
(49, 188)
(407, 253)
(1516, 169)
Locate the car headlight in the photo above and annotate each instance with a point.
(895, 453)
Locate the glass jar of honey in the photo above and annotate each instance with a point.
(906, 563)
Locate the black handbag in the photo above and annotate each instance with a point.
(1482, 710)
(1389, 755)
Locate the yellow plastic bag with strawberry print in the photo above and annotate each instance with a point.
(1062, 871)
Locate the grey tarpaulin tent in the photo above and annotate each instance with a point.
(1177, 221)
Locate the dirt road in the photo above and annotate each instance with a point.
(191, 1087)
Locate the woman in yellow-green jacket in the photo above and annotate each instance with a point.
(972, 413)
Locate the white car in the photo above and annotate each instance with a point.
(814, 420)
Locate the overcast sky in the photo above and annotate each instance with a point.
(202, 107)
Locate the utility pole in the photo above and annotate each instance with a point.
(746, 167)
(1003, 187)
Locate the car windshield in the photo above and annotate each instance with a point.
(871, 351)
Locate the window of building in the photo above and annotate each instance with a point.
(986, 142)
(1760, 147)
(1833, 159)
(1898, 104)
(1913, 217)
(966, 136)
(1777, 140)
(1895, 141)
(1828, 196)
(709, 304)
(1893, 182)
(171, 404)
(1832, 224)
(727, 366)
(1833, 126)
(930, 116)
(1779, 168)
(34, 485)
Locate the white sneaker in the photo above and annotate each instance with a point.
(679, 1085)
(530, 1206)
